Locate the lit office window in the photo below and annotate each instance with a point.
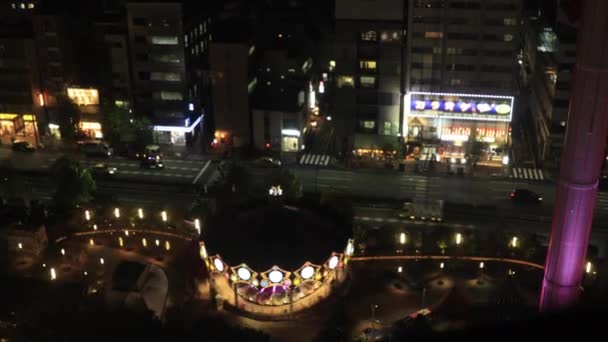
(345, 81)
(186, 40)
(508, 37)
(165, 76)
(168, 96)
(367, 81)
(368, 124)
(433, 34)
(369, 36)
(510, 21)
(367, 65)
(164, 40)
(22, 5)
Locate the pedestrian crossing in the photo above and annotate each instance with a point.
(315, 159)
(527, 173)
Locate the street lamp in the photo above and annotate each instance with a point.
(117, 212)
(163, 214)
(120, 241)
(53, 274)
(20, 245)
(514, 241)
(197, 225)
(458, 238)
(441, 265)
(481, 265)
(588, 267)
(275, 191)
(140, 213)
(167, 245)
(402, 238)
(144, 242)
(87, 215)
(62, 251)
(399, 269)
(91, 242)
(157, 242)
(101, 261)
(94, 227)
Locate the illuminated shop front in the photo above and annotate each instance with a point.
(176, 135)
(91, 129)
(88, 101)
(460, 124)
(18, 127)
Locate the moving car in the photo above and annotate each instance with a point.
(102, 169)
(151, 163)
(23, 146)
(95, 149)
(266, 162)
(525, 196)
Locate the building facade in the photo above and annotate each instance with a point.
(158, 71)
(367, 70)
(551, 53)
(462, 75)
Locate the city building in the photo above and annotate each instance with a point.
(20, 95)
(367, 71)
(158, 71)
(464, 53)
(233, 79)
(551, 54)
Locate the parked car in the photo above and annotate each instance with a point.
(23, 146)
(522, 196)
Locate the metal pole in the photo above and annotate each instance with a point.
(581, 162)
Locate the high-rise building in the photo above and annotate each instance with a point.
(551, 53)
(462, 75)
(20, 95)
(367, 69)
(158, 71)
(233, 79)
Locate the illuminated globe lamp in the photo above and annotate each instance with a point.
(274, 256)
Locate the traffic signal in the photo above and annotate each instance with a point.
(267, 145)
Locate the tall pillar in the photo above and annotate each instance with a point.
(581, 162)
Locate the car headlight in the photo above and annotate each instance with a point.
(540, 198)
(160, 164)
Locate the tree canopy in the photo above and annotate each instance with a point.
(74, 183)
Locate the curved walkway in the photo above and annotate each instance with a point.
(446, 257)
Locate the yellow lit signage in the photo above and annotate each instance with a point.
(82, 96)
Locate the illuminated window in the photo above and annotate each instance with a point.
(186, 40)
(510, 21)
(168, 95)
(165, 76)
(251, 50)
(453, 51)
(345, 81)
(387, 127)
(369, 36)
(433, 34)
(164, 40)
(30, 6)
(389, 36)
(368, 124)
(508, 37)
(367, 65)
(22, 5)
(166, 58)
(367, 81)
(332, 65)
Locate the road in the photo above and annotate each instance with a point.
(175, 171)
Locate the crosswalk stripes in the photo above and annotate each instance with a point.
(527, 173)
(315, 159)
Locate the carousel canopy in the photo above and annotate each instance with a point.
(275, 235)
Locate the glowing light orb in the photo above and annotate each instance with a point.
(219, 265)
(275, 276)
(333, 262)
(307, 272)
(244, 273)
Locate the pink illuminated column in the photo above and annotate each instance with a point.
(581, 162)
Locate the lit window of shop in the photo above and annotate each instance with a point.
(367, 81)
(367, 65)
(345, 81)
(433, 34)
(91, 129)
(370, 36)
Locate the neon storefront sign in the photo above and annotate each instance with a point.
(461, 106)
